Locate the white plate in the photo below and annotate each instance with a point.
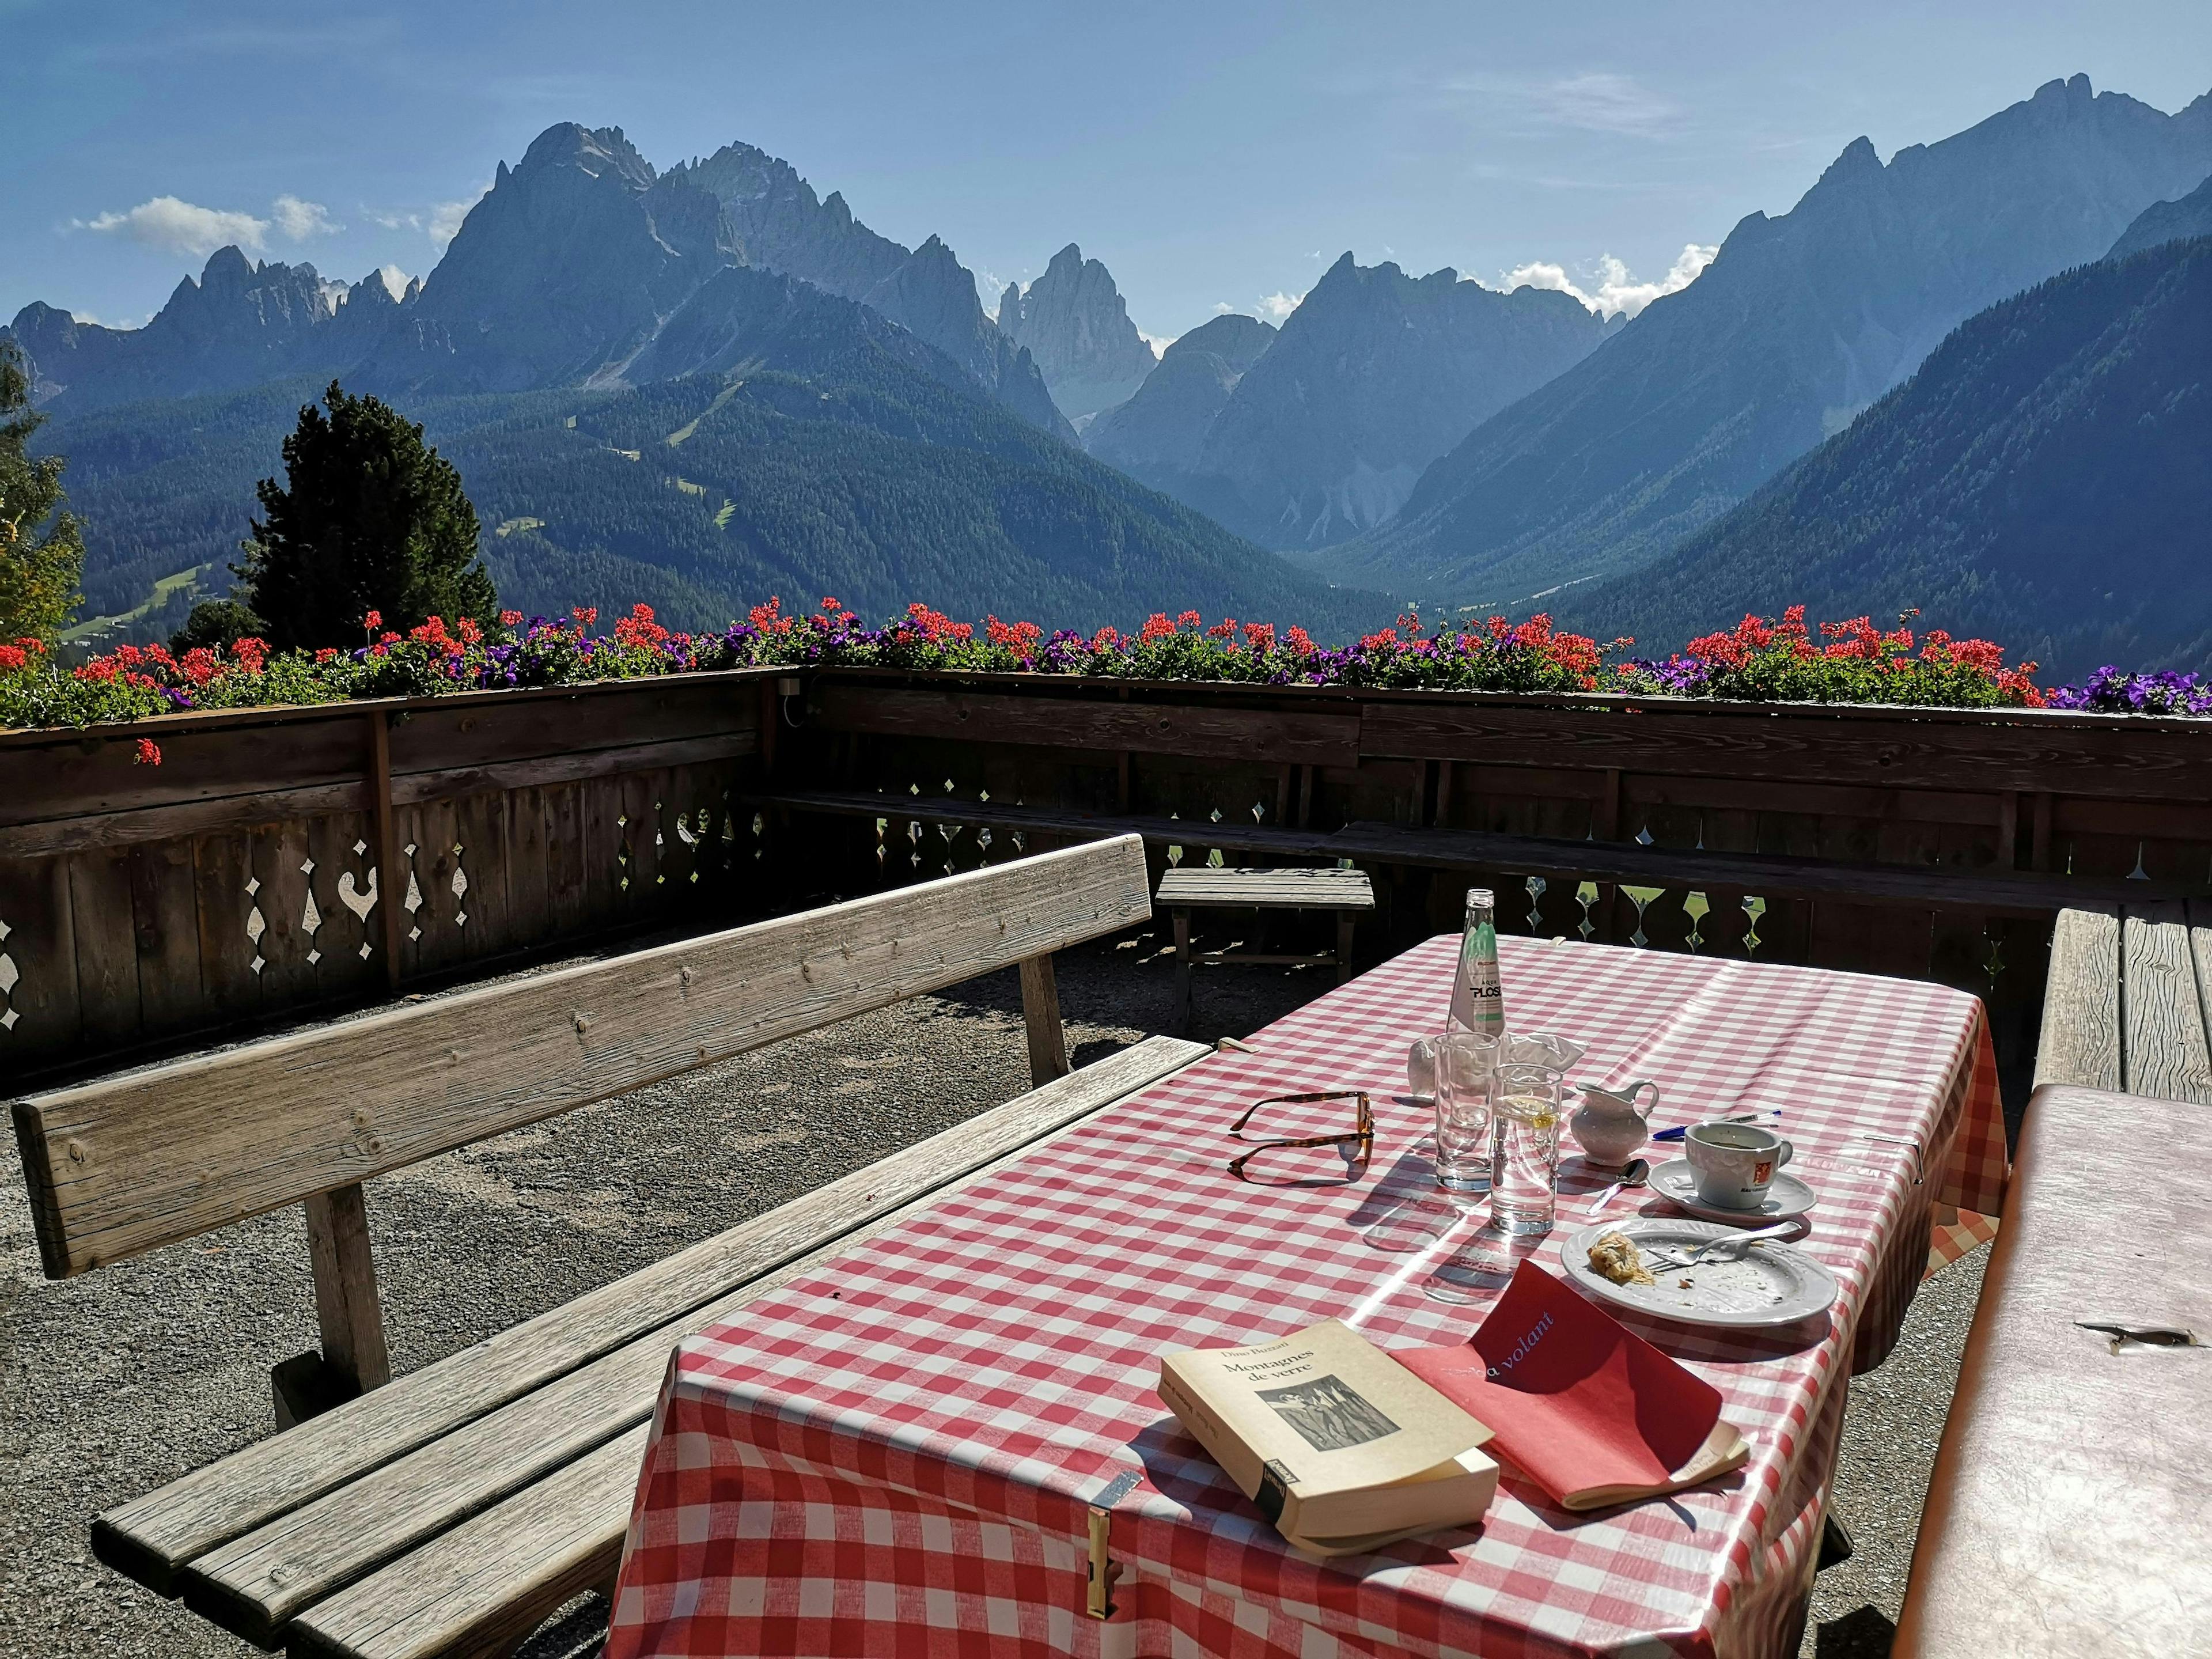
(1786, 1200)
(1772, 1284)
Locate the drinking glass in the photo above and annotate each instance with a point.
(1525, 1159)
(1466, 1077)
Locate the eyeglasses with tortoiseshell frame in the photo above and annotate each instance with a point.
(1360, 1140)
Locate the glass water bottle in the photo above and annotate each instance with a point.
(1467, 1057)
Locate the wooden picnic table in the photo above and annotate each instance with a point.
(1345, 894)
(926, 1435)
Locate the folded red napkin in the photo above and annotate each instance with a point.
(1583, 1407)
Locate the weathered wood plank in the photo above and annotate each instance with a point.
(2162, 1042)
(1037, 716)
(151, 1537)
(107, 947)
(165, 914)
(169, 1152)
(40, 947)
(1047, 1038)
(1823, 746)
(348, 1312)
(478, 1590)
(2081, 1040)
(1286, 889)
(221, 866)
(566, 873)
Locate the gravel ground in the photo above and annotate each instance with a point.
(115, 1383)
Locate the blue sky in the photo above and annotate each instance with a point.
(1213, 154)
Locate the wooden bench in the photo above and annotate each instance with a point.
(1347, 893)
(2067, 1515)
(450, 1512)
(2064, 1515)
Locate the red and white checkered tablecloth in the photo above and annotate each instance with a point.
(893, 1456)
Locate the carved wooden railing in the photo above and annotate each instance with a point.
(245, 877)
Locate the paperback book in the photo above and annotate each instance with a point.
(1343, 1448)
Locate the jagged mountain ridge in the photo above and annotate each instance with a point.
(2044, 480)
(561, 275)
(810, 444)
(2168, 221)
(239, 324)
(1076, 326)
(1375, 375)
(1799, 323)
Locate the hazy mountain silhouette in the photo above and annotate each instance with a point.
(1799, 324)
(2044, 480)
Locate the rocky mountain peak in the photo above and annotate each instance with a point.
(593, 151)
(1075, 324)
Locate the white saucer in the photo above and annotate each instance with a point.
(1786, 1200)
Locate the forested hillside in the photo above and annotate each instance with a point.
(863, 476)
(2044, 480)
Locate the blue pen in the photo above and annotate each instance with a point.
(1681, 1130)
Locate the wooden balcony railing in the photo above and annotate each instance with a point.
(245, 877)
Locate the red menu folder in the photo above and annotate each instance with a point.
(1585, 1408)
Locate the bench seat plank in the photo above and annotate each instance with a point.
(2162, 1043)
(1267, 889)
(2081, 1040)
(475, 1592)
(119, 1166)
(151, 1538)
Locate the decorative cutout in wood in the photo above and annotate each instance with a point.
(7, 978)
(1536, 885)
(460, 885)
(311, 918)
(413, 903)
(659, 841)
(355, 899)
(256, 923)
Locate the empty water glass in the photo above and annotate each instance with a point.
(1466, 1069)
(1525, 1157)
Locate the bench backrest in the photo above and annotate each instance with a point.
(119, 1166)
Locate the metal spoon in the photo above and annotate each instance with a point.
(1634, 1173)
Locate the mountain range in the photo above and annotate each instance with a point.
(1798, 323)
(2045, 479)
(584, 273)
(1374, 376)
(1425, 437)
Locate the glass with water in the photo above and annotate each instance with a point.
(1467, 1064)
(1525, 1155)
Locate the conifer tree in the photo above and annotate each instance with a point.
(41, 549)
(369, 518)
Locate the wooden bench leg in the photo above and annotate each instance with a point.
(1040, 1016)
(1343, 947)
(346, 1304)
(1183, 971)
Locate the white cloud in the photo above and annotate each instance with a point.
(1611, 286)
(1593, 101)
(299, 220)
(394, 221)
(180, 226)
(395, 280)
(1159, 343)
(446, 218)
(1279, 305)
(1222, 308)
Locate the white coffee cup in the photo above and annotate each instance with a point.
(1734, 1163)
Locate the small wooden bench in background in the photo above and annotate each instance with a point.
(450, 1512)
(1346, 893)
